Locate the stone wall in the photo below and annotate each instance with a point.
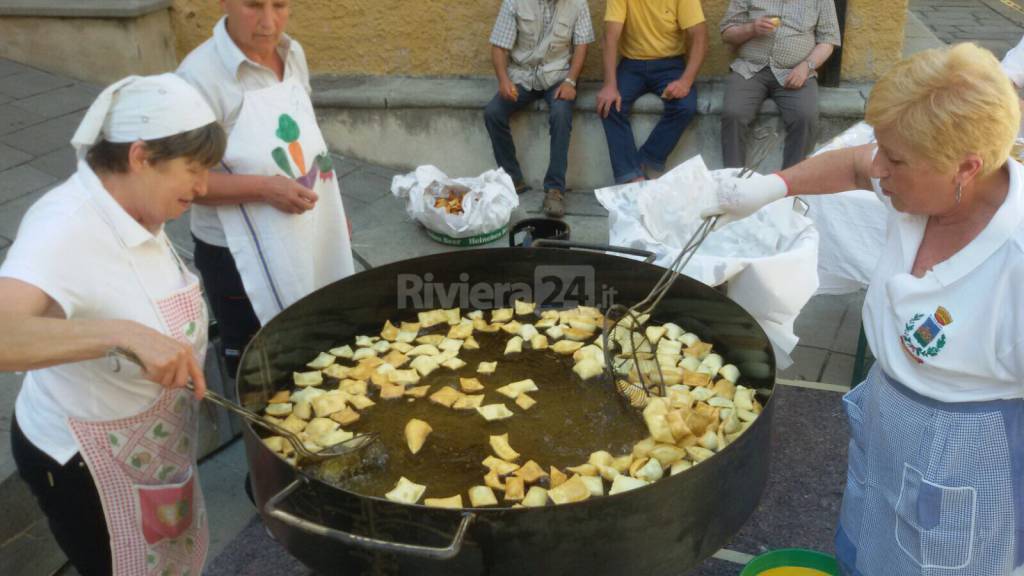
(94, 49)
(449, 38)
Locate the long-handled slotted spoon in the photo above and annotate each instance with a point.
(353, 444)
(632, 319)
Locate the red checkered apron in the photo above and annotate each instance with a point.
(145, 468)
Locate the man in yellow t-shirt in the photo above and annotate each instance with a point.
(662, 44)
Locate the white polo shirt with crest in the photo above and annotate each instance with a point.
(957, 333)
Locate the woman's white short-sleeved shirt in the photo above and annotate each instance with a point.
(956, 334)
(79, 246)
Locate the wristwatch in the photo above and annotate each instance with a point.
(811, 64)
(570, 81)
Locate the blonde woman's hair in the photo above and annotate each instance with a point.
(946, 103)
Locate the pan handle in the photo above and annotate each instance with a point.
(647, 255)
(272, 507)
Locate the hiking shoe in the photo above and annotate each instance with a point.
(554, 203)
(521, 187)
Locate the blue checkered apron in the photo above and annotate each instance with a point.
(933, 488)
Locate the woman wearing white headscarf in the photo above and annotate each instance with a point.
(107, 447)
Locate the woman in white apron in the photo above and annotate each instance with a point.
(272, 228)
(935, 481)
(108, 447)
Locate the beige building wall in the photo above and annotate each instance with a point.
(449, 37)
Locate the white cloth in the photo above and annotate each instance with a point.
(223, 74)
(1013, 64)
(956, 334)
(65, 248)
(282, 257)
(767, 259)
(142, 108)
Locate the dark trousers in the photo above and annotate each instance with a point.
(67, 496)
(230, 305)
(743, 98)
(496, 118)
(636, 78)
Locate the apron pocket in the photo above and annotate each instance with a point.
(935, 523)
(166, 509)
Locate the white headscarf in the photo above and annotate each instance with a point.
(142, 108)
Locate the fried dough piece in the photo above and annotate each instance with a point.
(468, 402)
(522, 308)
(337, 371)
(531, 472)
(565, 346)
(342, 352)
(487, 367)
(500, 466)
(446, 396)
(623, 483)
(424, 365)
(406, 491)
(480, 496)
(417, 391)
(524, 401)
(470, 385)
(396, 358)
(536, 497)
(514, 389)
(450, 502)
(572, 490)
(322, 360)
(329, 404)
(499, 443)
(515, 489)
(416, 432)
(304, 379)
(492, 412)
(501, 315)
(514, 345)
(345, 417)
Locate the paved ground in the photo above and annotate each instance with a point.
(39, 112)
(994, 24)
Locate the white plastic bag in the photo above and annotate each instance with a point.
(768, 259)
(487, 202)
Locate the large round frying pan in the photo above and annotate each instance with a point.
(665, 528)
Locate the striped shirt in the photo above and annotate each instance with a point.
(504, 33)
(804, 24)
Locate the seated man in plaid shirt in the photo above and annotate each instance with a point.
(781, 44)
(538, 48)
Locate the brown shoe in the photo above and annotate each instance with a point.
(521, 187)
(554, 203)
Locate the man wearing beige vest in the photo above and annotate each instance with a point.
(538, 48)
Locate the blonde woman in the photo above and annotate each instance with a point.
(936, 455)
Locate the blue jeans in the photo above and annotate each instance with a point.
(496, 118)
(636, 78)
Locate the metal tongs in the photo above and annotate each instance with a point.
(349, 446)
(760, 143)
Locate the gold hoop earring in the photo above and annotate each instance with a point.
(959, 193)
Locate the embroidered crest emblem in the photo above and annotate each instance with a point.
(922, 336)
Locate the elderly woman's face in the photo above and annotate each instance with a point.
(256, 25)
(912, 184)
(170, 187)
